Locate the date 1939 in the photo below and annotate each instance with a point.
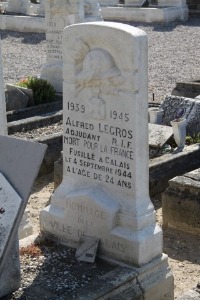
(76, 107)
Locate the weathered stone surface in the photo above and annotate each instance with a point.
(26, 91)
(193, 120)
(10, 273)
(58, 15)
(159, 135)
(175, 107)
(17, 6)
(146, 14)
(104, 191)
(19, 164)
(87, 249)
(10, 204)
(15, 99)
(153, 281)
(181, 203)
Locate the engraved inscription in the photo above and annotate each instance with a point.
(106, 243)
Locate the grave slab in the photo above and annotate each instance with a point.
(19, 164)
(104, 192)
(181, 203)
(15, 99)
(159, 135)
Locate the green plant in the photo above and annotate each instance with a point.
(193, 139)
(43, 91)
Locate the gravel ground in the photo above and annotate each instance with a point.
(173, 54)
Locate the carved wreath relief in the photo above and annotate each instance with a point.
(96, 71)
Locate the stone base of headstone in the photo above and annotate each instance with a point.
(153, 281)
(25, 228)
(181, 204)
(10, 276)
(91, 212)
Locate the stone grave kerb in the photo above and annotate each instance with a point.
(19, 165)
(105, 188)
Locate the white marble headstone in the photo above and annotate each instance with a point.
(105, 188)
(58, 15)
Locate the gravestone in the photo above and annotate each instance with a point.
(104, 192)
(3, 120)
(15, 99)
(19, 164)
(159, 135)
(105, 187)
(59, 14)
(175, 107)
(17, 6)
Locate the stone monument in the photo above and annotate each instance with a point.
(59, 14)
(105, 187)
(19, 165)
(3, 120)
(105, 191)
